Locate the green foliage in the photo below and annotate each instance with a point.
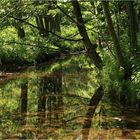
(113, 80)
(112, 74)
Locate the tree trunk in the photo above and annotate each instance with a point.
(91, 48)
(21, 32)
(17, 6)
(113, 34)
(133, 26)
(46, 21)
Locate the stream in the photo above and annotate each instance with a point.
(51, 101)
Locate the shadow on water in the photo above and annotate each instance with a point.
(62, 101)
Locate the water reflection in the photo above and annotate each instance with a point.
(62, 103)
(24, 100)
(91, 110)
(49, 99)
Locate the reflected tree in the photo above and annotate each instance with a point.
(42, 100)
(24, 104)
(91, 110)
(49, 99)
(24, 101)
(55, 100)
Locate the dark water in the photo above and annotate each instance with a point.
(52, 102)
